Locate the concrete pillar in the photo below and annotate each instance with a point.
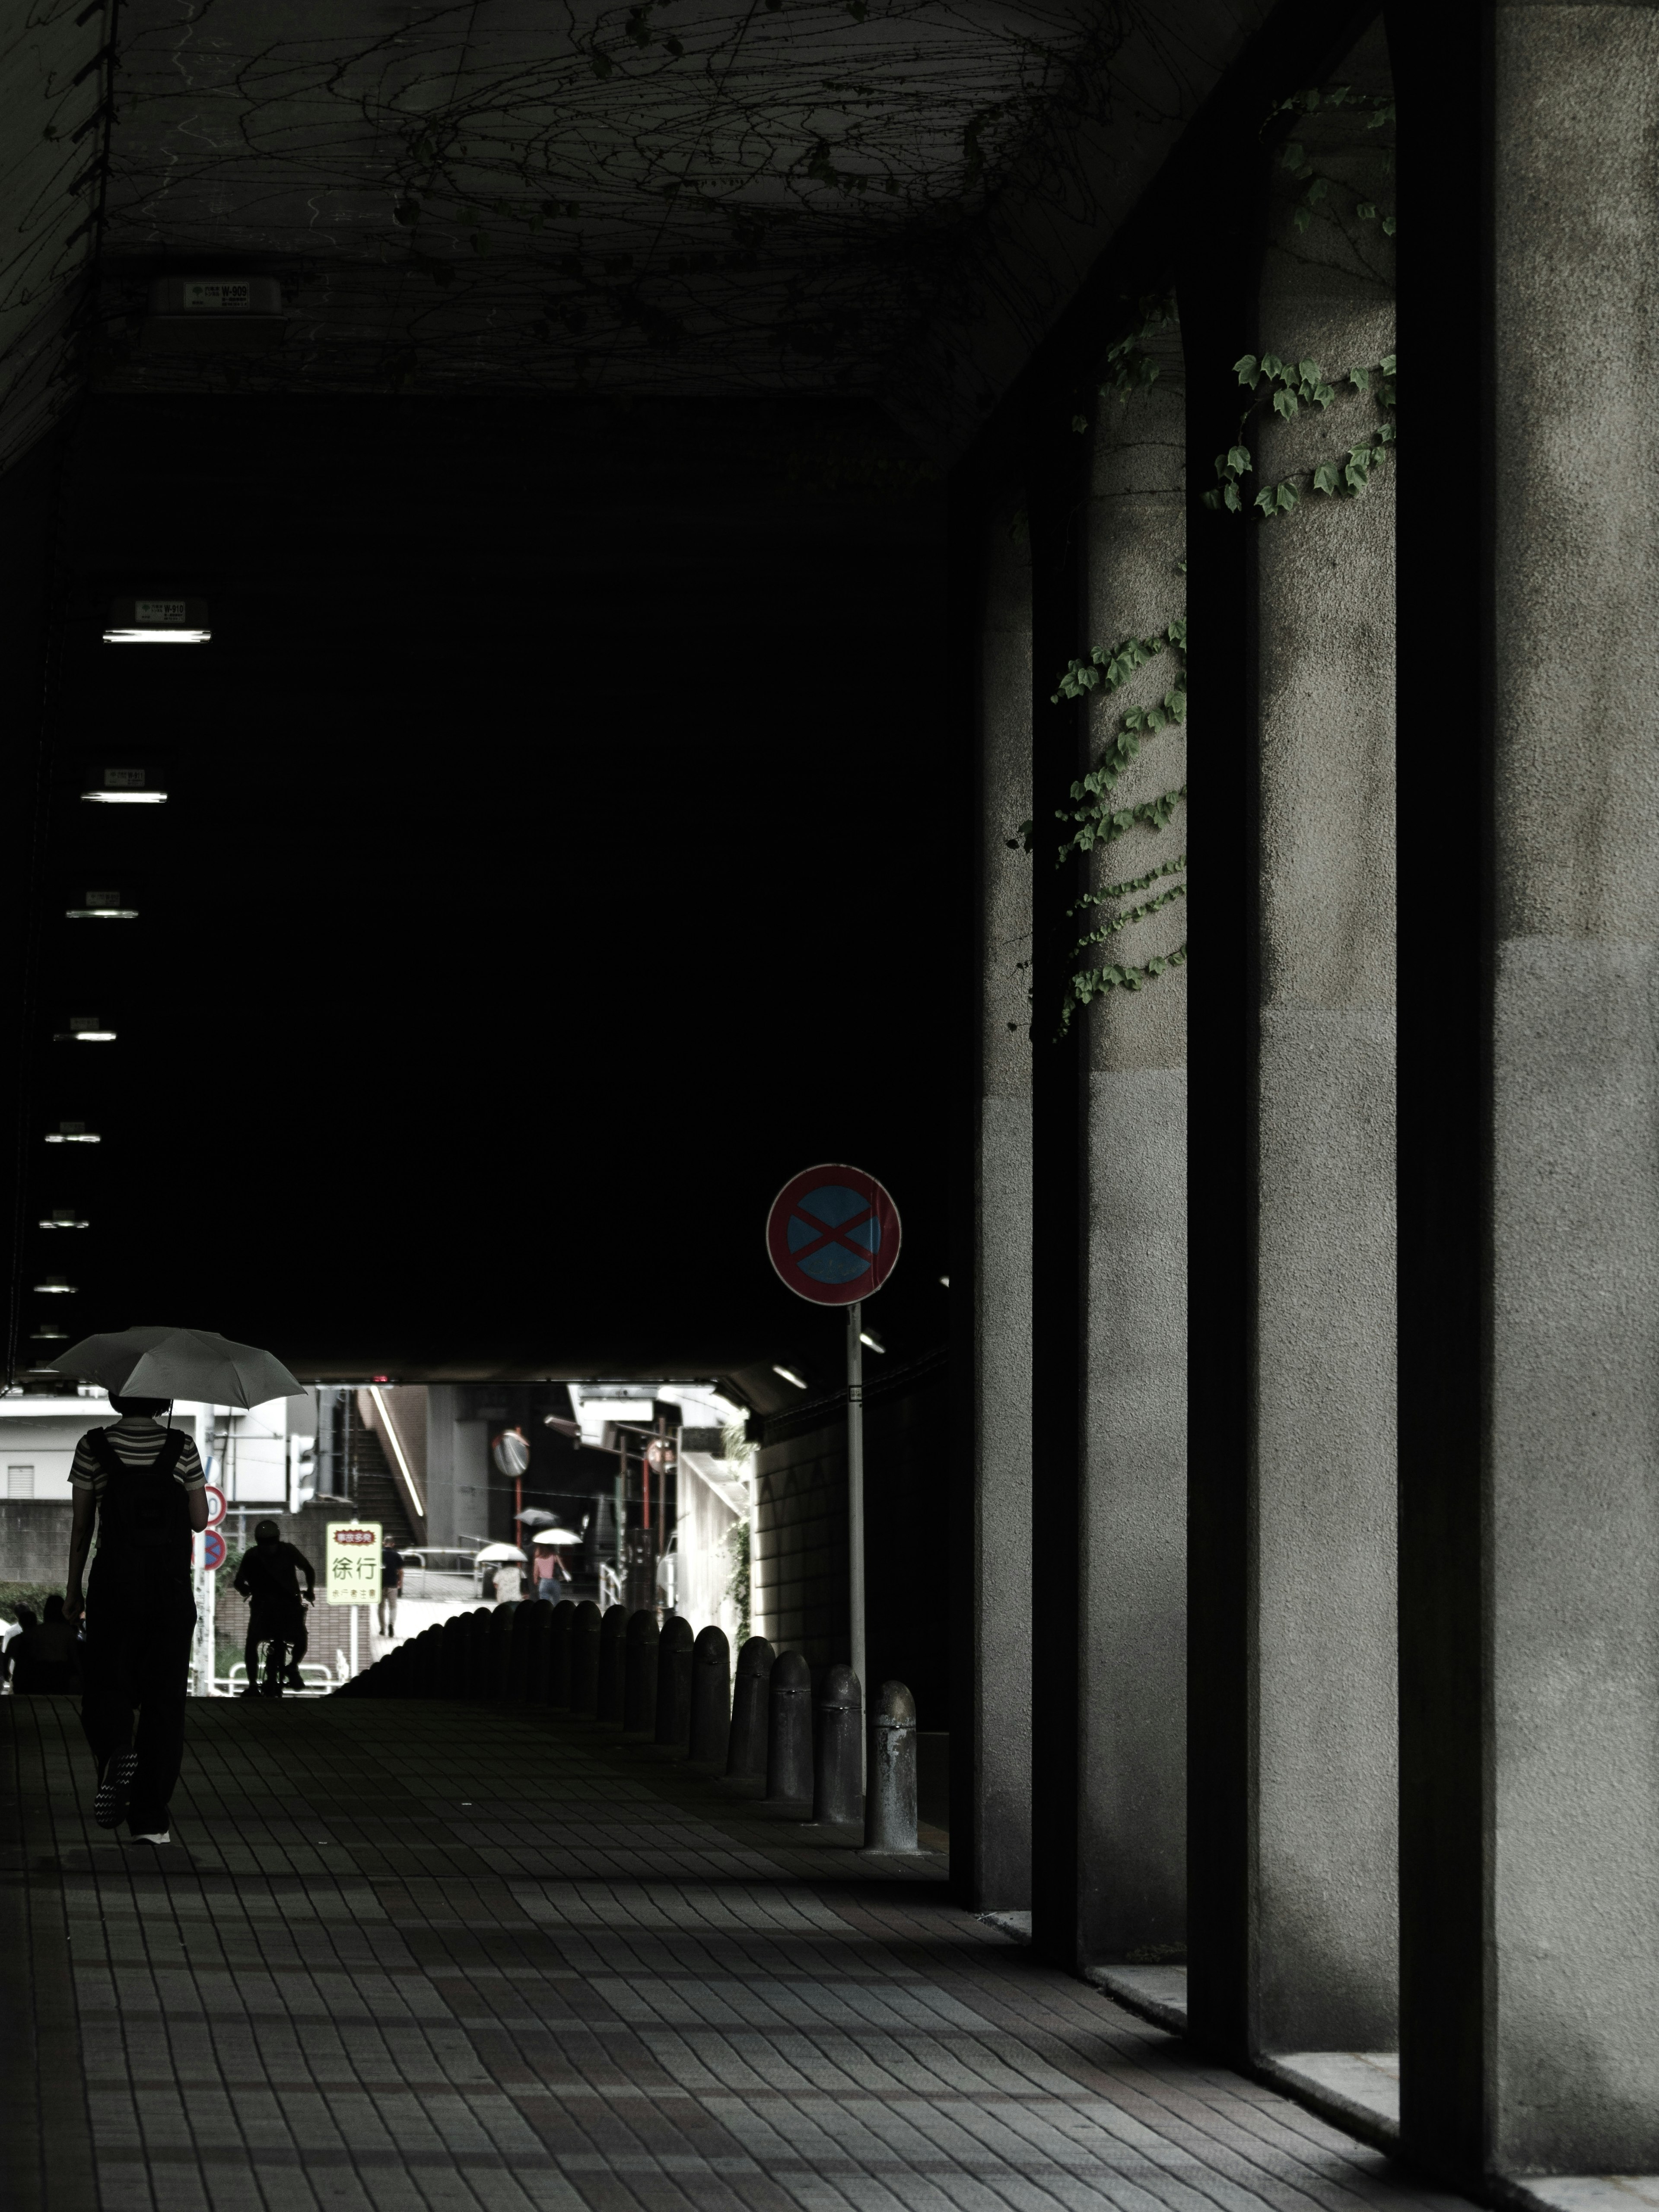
(1132, 1854)
(1324, 1770)
(991, 1824)
(1529, 1097)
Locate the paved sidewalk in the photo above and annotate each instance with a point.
(451, 1956)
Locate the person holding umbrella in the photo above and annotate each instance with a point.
(139, 1499)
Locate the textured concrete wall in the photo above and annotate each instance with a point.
(1324, 1821)
(999, 1714)
(1573, 1512)
(34, 1537)
(800, 1557)
(1132, 1854)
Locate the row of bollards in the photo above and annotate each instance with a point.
(665, 1687)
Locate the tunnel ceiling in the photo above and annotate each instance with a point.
(810, 196)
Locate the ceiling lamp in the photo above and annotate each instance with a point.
(123, 786)
(73, 1133)
(46, 1333)
(64, 1216)
(789, 1376)
(103, 905)
(214, 315)
(157, 622)
(55, 1287)
(84, 1029)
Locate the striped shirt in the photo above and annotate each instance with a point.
(137, 1441)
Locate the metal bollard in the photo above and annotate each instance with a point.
(538, 1651)
(640, 1682)
(711, 1696)
(745, 1747)
(613, 1629)
(451, 1670)
(479, 1622)
(838, 1760)
(789, 1731)
(585, 1661)
(501, 1647)
(558, 1665)
(674, 1650)
(889, 1804)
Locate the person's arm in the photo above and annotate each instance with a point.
(310, 1573)
(86, 1513)
(196, 1498)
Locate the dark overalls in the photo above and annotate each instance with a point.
(141, 1620)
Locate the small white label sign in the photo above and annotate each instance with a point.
(159, 611)
(217, 296)
(124, 779)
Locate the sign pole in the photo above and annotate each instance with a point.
(855, 1483)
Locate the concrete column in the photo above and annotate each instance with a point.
(1131, 1858)
(1530, 1139)
(1323, 1823)
(440, 1447)
(996, 1772)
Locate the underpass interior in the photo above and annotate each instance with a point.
(596, 611)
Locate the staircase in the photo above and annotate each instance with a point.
(374, 1488)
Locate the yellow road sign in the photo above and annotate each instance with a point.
(351, 1569)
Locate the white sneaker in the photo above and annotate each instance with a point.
(162, 1839)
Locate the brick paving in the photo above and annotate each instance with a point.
(429, 1958)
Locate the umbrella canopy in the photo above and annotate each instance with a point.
(554, 1536)
(493, 1554)
(178, 1362)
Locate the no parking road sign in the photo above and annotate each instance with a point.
(833, 1235)
(213, 1549)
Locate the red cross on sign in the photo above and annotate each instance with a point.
(833, 1235)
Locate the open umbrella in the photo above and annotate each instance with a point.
(178, 1362)
(490, 1555)
(554, 1536)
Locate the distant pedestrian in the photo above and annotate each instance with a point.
(27, 1618)
(269, 1579)
(139, 1491)
(392, 1582)
(506, 1579)
(47, 1656)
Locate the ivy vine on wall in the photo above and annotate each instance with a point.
(1275, 386)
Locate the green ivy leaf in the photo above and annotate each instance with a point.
(1366, 210)
(1247, 370)
(1238, 459)
(1272, 364)
(1080, 423)
(1284, 404)
(1285, 494)
(1389, 226)
(1325, 477)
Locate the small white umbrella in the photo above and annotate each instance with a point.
(495, 1554)
(554, 1536)
(178, 1362)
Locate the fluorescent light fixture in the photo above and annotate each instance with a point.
(392, 1439)
(868, 1336)
(85, 1029)
(946, 1281)
(48, 1334)
(73, 1133)
(55, 1286)
(790, 1376)
(157, 622)
(122, 787)
(64, 1216)
(101, 906)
